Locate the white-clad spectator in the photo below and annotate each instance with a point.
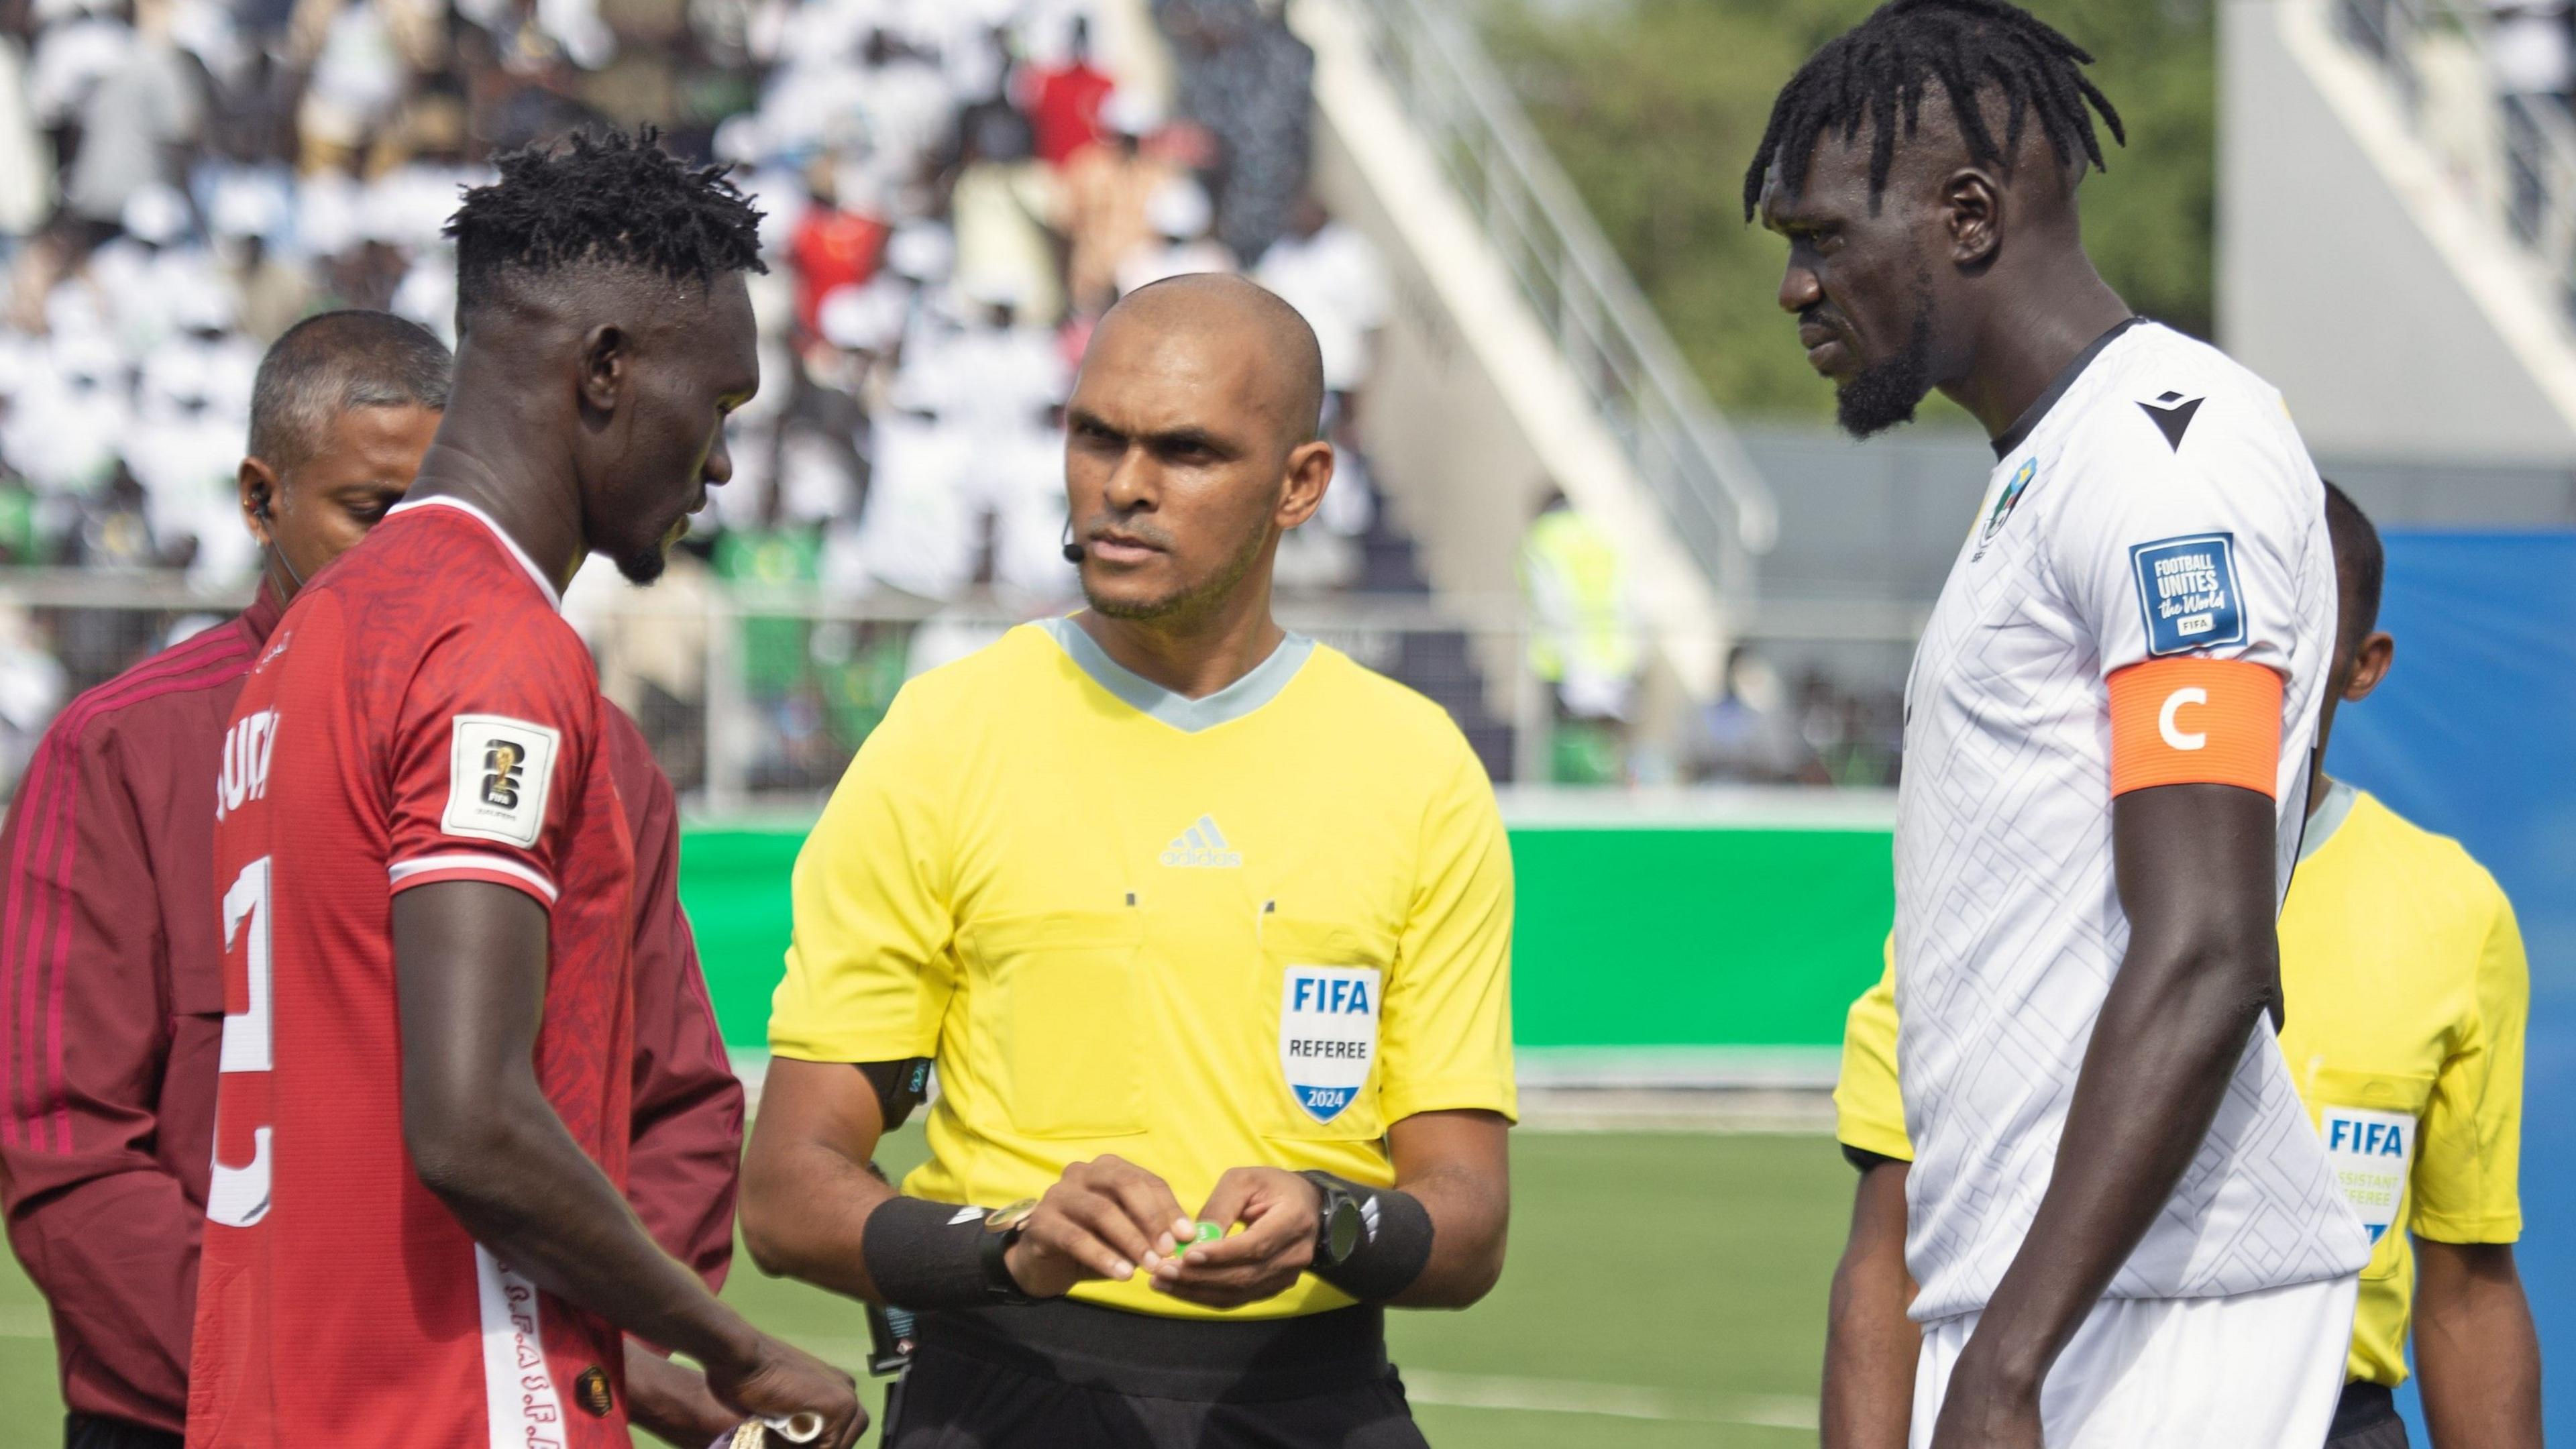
(153, 276)
(999, 208)
(65, 430)
(79, 43)
(2527, 47)
(330, 212)
(26, 153)
(994, 375)
(32, 682)
(867, 318)
(250, 213)
(135, 117)
(908, 109)
(357, 80)
(1180, 215)
(1024, 482)
(1334, 277)
(918, 533)
(183, 450)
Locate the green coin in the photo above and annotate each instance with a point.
(1207, 1232)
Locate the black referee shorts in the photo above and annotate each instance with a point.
(2366, 1418)
(1066, 1375)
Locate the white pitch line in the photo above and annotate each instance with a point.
(1618, 1401)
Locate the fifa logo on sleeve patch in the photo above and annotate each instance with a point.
(2187, 593)
(498, 770)
(2371, 1152)
(1328, 1035)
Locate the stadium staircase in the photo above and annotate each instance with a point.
(2397, 241)
(1520, 356)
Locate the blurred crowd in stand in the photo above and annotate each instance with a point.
(955, 190)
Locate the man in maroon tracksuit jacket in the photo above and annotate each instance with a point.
(111, 994)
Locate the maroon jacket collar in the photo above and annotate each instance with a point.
(263, 613)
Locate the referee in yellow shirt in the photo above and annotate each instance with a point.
(2406, 994)
(1206, 930)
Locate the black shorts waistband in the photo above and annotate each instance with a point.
(2363, 1405)
(1140, 1354)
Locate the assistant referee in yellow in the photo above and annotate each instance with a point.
(2406, 996)
(1200, 922)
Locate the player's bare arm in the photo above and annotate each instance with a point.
(2477, 1356)
(2195, 872)
(470, 967)
(671, 1401)
(1455, 1164)
(1870, 1345)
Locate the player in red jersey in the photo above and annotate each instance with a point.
(105, 865)
(415, 1235)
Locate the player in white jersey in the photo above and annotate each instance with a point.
(2125, 1230)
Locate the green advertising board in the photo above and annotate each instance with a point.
(1701, 935)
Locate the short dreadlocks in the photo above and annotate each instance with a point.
(1882, 66)
(608, 197)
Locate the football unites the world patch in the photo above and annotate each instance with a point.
(1327, 1035)
(2187, 591)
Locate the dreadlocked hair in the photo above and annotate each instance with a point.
(609, 197)
(1881, 67)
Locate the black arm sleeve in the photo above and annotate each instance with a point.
(900, 1087)
(1864, 1159)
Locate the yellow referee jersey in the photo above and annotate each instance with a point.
(1246, 930)
(2407, 995)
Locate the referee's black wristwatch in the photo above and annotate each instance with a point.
(1338, 1223)
(1002, 1228)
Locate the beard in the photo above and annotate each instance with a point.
(1190, 600)
(1885, 394)
(642, 566)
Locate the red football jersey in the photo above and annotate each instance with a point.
(421, 714)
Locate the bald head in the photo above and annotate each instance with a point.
(1225, 324)
(1190, 447)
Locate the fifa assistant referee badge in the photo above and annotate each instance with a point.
(1002, 1228)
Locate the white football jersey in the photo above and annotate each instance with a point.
(2160, 504)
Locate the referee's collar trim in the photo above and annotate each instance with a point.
(2327, 819)
(1255, 689)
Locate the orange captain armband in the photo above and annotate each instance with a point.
(2195, 721)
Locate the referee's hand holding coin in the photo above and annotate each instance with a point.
(1278, 1210)
(1106, 1218)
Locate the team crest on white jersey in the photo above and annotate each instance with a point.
(1202, 847)
(2005, 503)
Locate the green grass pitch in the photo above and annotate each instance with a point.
(1663, 1290)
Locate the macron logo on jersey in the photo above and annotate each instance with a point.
(1202, 847)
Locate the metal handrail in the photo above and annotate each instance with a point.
(2535, 170)
(1565, 269)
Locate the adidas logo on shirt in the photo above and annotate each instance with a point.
(1202, 847)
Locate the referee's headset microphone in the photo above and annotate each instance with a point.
(259, 507)
(1072, 551)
